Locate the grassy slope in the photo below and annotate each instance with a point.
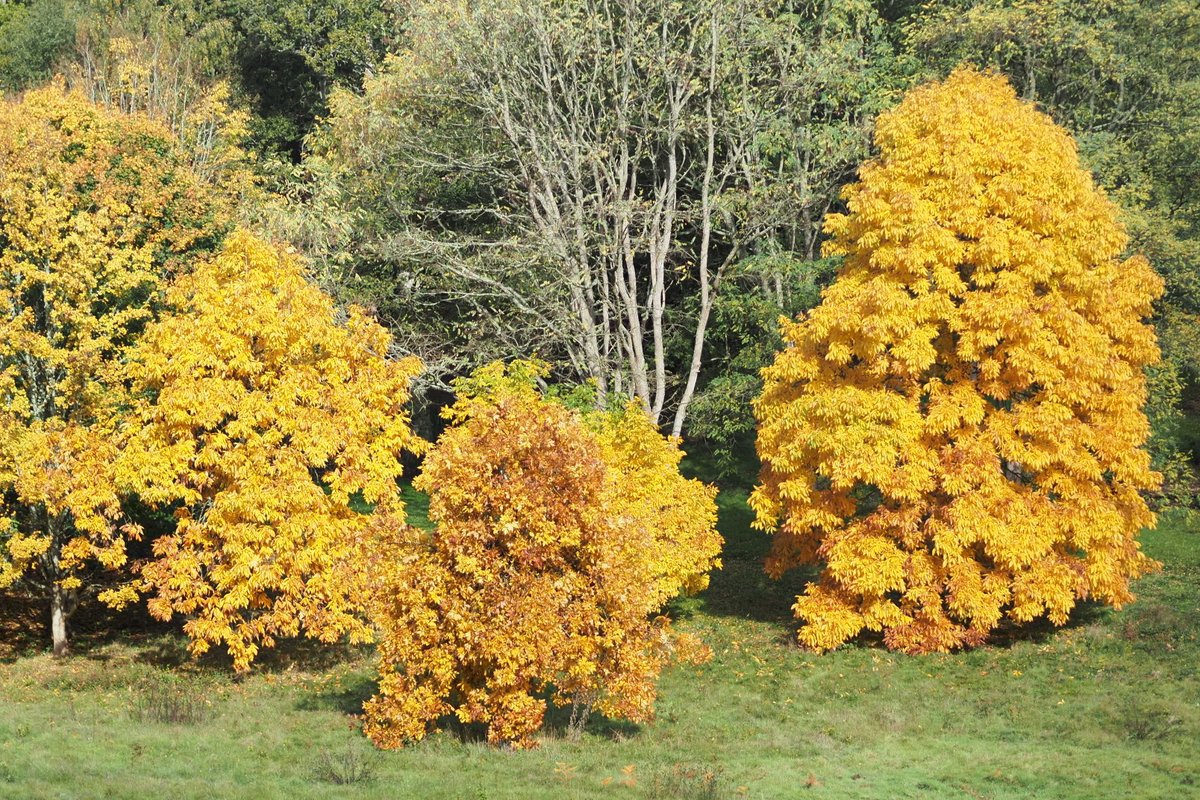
(1107, 707)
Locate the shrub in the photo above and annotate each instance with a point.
(560, 536)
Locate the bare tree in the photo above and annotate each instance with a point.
(614, 118)
(582, 174)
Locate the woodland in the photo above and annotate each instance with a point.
(590, 398)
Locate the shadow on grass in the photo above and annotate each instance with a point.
(742, 589)
(103, 636)
(25, 627)
(1007, 633)
(304, 655)
(168, 648)
(346, 696)
(730, 468)
(557, 724)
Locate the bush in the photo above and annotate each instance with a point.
(560, 537)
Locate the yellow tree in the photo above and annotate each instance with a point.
(559, 538)
(276, 423)
(955, 434)
(96, 209)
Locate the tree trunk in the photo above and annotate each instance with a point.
(707, 287)
(62, 605)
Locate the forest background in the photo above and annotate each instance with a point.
(632, 191)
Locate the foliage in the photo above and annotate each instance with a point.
(96, 209)
(956, 431)
(266, 415)
(169, 62)
(743, 339)
(1096, 64)
(291, 54)
(1102, 69)
(559, 539)
(400, 201)
(33, 37)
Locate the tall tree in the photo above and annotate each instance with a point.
(1100, 67)
(276, 423)
(579, 177)
(97, 209)
(956, 433)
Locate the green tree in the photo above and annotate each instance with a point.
(292, 54)
(33, 37)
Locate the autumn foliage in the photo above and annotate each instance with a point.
(97, 210)
(559, 537)
(955, 434)
(276, 424)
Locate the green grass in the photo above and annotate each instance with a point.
(416, 507)
(1108, 706)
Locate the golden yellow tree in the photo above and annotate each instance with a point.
(96, 209)
(277, 424)
(955, 434)
(559, 538)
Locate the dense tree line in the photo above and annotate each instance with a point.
(633, 190)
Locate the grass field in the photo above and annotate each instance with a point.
(1107, 707)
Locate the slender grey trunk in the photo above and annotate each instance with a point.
(62, 605)
(707, 287)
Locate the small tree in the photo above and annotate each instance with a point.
(956, 432)
(276, 423)
(559, 538)
(97, 208)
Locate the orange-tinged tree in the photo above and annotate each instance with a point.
(955, 434)
(276, 423)
(559, 537)
(97, 208)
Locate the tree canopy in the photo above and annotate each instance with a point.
(98, 210)
(956, 432)
(276, 423)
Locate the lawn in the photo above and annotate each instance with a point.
(1108, 706)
